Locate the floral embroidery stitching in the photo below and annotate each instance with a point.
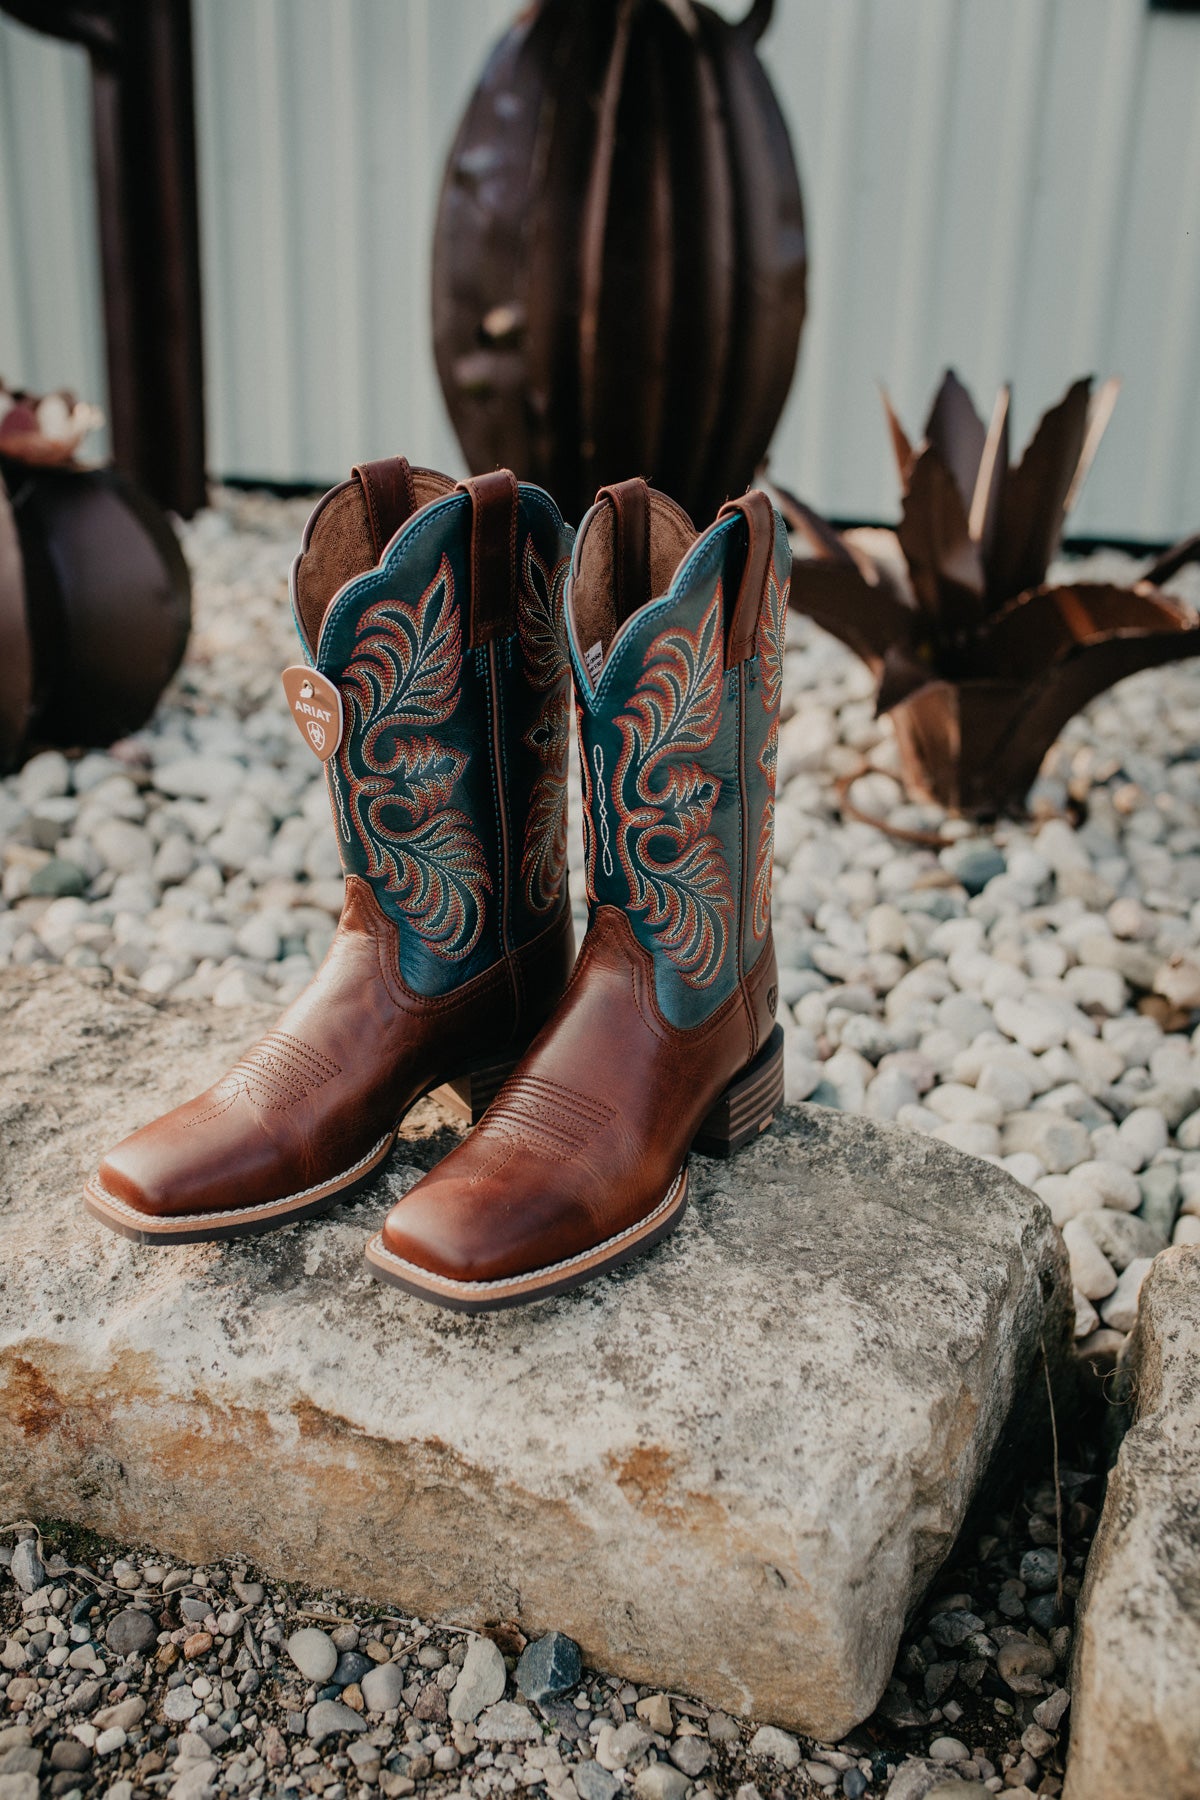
(769, 647)
(544, 852)
(540, 626)
(406, 670)
(769, 650)
(674, 713)
(760, 899)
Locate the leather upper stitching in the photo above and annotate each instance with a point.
(278, 1073)
(545, 1118)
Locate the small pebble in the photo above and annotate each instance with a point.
(508, 1722)
(26, 1567)
(1119, 1310)
(382, 1687)
(131, 1632)
(480, 1682)
(549, 1667)
(330, 1718)
(313, 1653)
(776, 1745)
(660, 1782)
(691, 1754)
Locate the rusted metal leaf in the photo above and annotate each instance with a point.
(955, 430)
(1033, 507)
(983, 672)
(943, 560)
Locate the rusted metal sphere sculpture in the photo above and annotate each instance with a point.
(619, 256)
(95, 598)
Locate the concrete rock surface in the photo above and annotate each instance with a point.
(1135, 1704)
(731, 1467)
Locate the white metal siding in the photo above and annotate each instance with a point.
(51, 332)
(1012, 186)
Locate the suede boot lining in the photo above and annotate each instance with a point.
(593, 598)
(339, 545)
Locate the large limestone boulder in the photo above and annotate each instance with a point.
(730, 1468)
(1136, 1705)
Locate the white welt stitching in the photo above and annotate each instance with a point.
(237, 1212)
(478, 1287)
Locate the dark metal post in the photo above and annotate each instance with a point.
(144, 139)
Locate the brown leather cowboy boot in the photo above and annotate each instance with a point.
(439, 698)
(665, 1038)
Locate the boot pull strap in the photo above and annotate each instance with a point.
(759, 515)
(493, 611)
(630, 501)
(390, 498)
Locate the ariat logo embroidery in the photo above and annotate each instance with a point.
(772, 1000)
(278, 1073)
(541, 1118)
(316, 734)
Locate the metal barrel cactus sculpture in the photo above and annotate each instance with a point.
(619, 256)
(979, 661)
(95, 599)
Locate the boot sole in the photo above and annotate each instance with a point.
(471, 1093)
(746, 1107)
(538, 1284)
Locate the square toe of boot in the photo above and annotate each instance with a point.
(162, 1174)
(495, 1230)
(154, 1191)
(457, 1244)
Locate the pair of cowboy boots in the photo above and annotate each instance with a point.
(441, 625)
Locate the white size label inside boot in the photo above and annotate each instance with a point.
(594, 660)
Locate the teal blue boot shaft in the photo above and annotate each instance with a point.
(677, 642)
(447, 653)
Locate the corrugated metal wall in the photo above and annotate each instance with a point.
(1009, 185)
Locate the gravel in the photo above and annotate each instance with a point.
(1028, 994)
(238, 1716)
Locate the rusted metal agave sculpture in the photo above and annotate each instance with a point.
(978, 660)
(95, 599)
(619, 256)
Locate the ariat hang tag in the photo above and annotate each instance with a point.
(316, 706)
